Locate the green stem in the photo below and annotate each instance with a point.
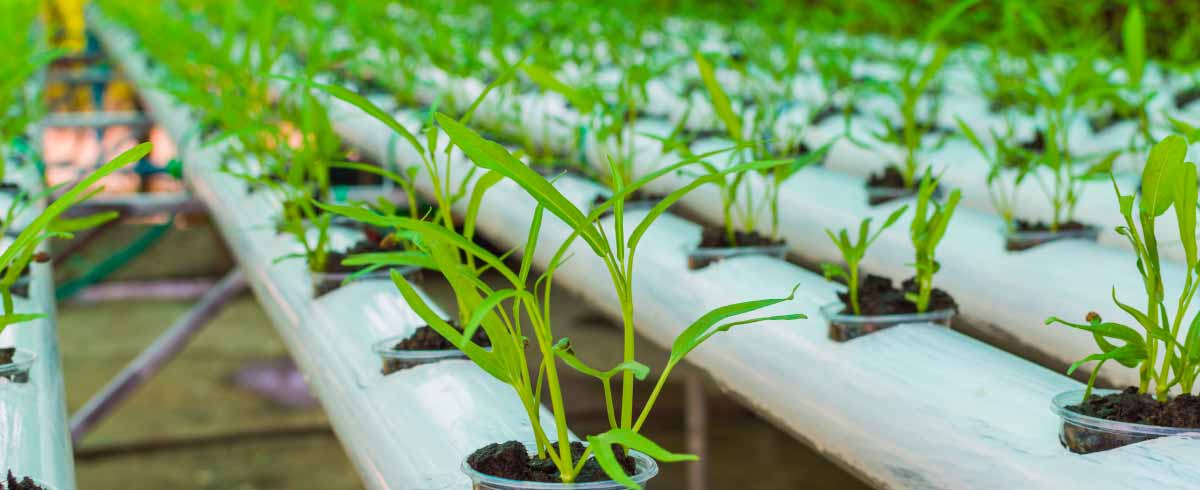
(852, 284)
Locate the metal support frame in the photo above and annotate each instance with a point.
(151, 361)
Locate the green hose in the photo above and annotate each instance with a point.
(113, 262)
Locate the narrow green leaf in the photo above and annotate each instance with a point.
(1185, 210)
(602, 444)
(718, 98)
(362, 103)
(546, 79)
(1133, 33)
(494, 157)
(706, 326)
(72, 225)
(484, 359)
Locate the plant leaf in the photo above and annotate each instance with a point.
(1162, 169)
(1133, 35)
(494, 157)
(706, 326)
(362, 103)
(719, 100)
(602, 444)
(1185, 210)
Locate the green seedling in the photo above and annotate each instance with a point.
(506, 313)
(739, 204)
(1004, 160)
(853, 253)
(1162, 359)
(50, 224)
(930, 220)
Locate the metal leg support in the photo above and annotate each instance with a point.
(151, 360)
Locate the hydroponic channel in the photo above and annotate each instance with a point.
(569, 245)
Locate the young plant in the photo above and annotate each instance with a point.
(912, 87)
(506, 313)
(1068, 179)
(739, 205)
(853, 253)
(49, 224)
(1162, 360)
(930, 220)
(1001, 158)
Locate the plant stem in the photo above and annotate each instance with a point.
(852, 284)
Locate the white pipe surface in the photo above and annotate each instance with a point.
(34, 441)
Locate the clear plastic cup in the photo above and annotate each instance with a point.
(1016, 241)
(880, 195)
(17, 370)
(397, 360)
(1086, 434)
(647, 468)
(845, 327)
(701, 257)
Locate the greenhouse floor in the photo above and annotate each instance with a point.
(192, 428)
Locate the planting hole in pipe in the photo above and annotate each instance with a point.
(714, 246)
(423, 346)
(1029, 235)
(15, 364)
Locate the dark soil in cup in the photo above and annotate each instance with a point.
(6, 357)
(886, 186)
(1185, 97)
(426, 338)
(1128, 406)
(26, 483)
(877, 296)
(511, 460)
(1017, 244)
(715, 238)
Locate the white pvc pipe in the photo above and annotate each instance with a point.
(33, 415)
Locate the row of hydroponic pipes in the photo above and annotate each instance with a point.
(497, 222)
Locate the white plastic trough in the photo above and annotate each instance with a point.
(34, 441)
(916, 406)
(1007, 295)
(411, 429)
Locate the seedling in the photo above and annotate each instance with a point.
(1163, 361)
(930, 220)
(853, 253)
(739, 205)
(915, 81)
(49, 224)
(501, 312)
(1068, 179)
(1004, 159)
